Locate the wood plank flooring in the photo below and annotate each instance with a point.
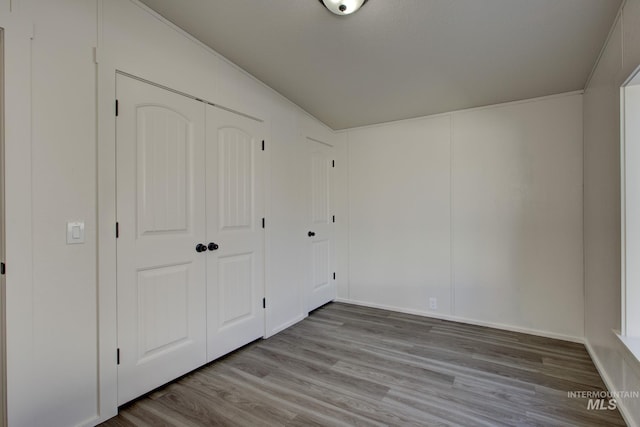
(347, 365)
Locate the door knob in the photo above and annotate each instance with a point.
(213, 246)
(311, 234)
(200, 247)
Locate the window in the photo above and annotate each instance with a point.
(630, 211)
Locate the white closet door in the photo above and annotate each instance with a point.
(235, 206)
(321, 284)
(161, 216)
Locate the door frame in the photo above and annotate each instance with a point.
(3, 360)
(108, 67)
(308, 140)
(17, 357)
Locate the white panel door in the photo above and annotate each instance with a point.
(321, 283)
(235, 206)
(161, 216)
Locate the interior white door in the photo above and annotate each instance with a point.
(321, 282)
(235, 206)
(161, 218)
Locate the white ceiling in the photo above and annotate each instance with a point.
(397, 59)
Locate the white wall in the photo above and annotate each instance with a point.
(58, 344)
(481, 209)
(517, 215)
(286, 222)
(602, 207)
(399, 232)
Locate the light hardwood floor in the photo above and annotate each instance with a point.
(347, 365)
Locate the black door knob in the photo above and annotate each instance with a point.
(213, 246)
(311, 234)
(200, 247)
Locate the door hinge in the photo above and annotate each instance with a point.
(3, 268)
(334, 276)
(264, 303)
(263, 223)
(117, 356)
(117, 230)
(117, 107)
(263, 145)
(333, 163)
(334, 218)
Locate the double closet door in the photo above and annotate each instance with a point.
(190, 246)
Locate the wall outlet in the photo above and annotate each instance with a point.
(433, 303)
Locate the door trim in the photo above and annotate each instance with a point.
(231, 110)
(3, 337)
(17, 35)
(108, 67)
(319, 142)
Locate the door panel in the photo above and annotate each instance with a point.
(320, 185)
(161, 216)
(237, 175)
(321, 286)
(163, 320)
(235, 280)
(163, 149)
(235, 206)
(321, 265)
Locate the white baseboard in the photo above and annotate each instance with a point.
(452, 318)
(626, 415)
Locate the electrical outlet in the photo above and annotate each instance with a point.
(433, 303)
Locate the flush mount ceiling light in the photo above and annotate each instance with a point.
(343, 7)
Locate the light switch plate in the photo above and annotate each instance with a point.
(75, 233)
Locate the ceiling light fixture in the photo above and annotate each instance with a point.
(343, 7)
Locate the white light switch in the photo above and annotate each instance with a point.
(75, 233)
